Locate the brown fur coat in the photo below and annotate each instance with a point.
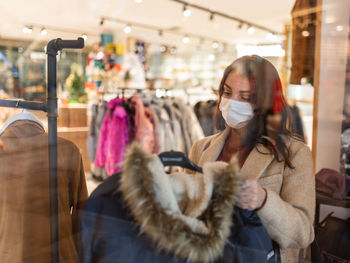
(189, 216)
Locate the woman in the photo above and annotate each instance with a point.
(277, 165)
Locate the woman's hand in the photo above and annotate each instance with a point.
(252, 196)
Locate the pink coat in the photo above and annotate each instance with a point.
(114, 138)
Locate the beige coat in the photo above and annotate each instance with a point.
(288, 213)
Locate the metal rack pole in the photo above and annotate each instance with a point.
(52, 48)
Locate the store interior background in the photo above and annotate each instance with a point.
(182, 55)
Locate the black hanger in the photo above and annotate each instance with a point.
(173, 158)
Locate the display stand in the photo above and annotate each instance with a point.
(50, 106)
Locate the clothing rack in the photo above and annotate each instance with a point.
(50, 106)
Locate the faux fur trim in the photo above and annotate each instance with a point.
(170, 232)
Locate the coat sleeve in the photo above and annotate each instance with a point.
(80, 196)
(289, 217)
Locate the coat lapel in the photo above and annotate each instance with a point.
(255, 165)
(257, 162)
(212, 153)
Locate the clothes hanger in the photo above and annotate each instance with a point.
(20, 116)
(174, 158)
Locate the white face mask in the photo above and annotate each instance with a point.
(236, 113)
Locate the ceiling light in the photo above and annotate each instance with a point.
(339, 28)
(43, 31)
(215, 45)
(211, 18)
(138, 1)
(186, 39)
(27, 29)
(102, 21)
(84, 36)
(127, 29)
(305, 33)
(160, 33)
(211, 57)
(162, 48)
(187, 12)
(240, 25)
(271, 37)
(173, 50)
(251, 30)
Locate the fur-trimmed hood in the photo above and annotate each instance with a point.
(187, 215)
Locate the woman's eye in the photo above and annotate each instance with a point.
(246, 98)
(226, 93)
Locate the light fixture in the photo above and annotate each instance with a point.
(271, 37)
(186, 40)
(102, 21)
(139, 1)
(162, 48)
(211, 18)
(173, 50)
(339, 28)
(84, 36)
(43, 31)
(27, 29)
(160, 32)
(251, 30)
(305, 33)
(127, 29)
(240, 25)
(211, 57)
(187, 12)
(215, 45)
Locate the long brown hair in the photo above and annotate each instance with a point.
(267, 100)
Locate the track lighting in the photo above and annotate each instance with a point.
(173, 50)
(211, 57)
(160, 33)
(215, 45)
(186, 40)
(27, 29)
(84, 36)
(211, 18)
(43, 31)
(127, 29)
(240, 25)
(102, 21)
(251, 30)
(271, 37)
(187, 12)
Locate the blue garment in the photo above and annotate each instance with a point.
(109, 234)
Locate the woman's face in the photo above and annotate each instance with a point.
(237, 87)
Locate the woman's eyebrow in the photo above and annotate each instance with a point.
(227, 86)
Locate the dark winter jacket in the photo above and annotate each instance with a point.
(128, 219)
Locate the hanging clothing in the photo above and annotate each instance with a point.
(144, 130)
(165, 132)
(205, 112)
(25, 197)
(98, 112)
(181, 217)
(190, 124)
(114, 137)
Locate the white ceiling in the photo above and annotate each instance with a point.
(78, 16)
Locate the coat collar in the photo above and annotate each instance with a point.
(254, 166)
(22, 128)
